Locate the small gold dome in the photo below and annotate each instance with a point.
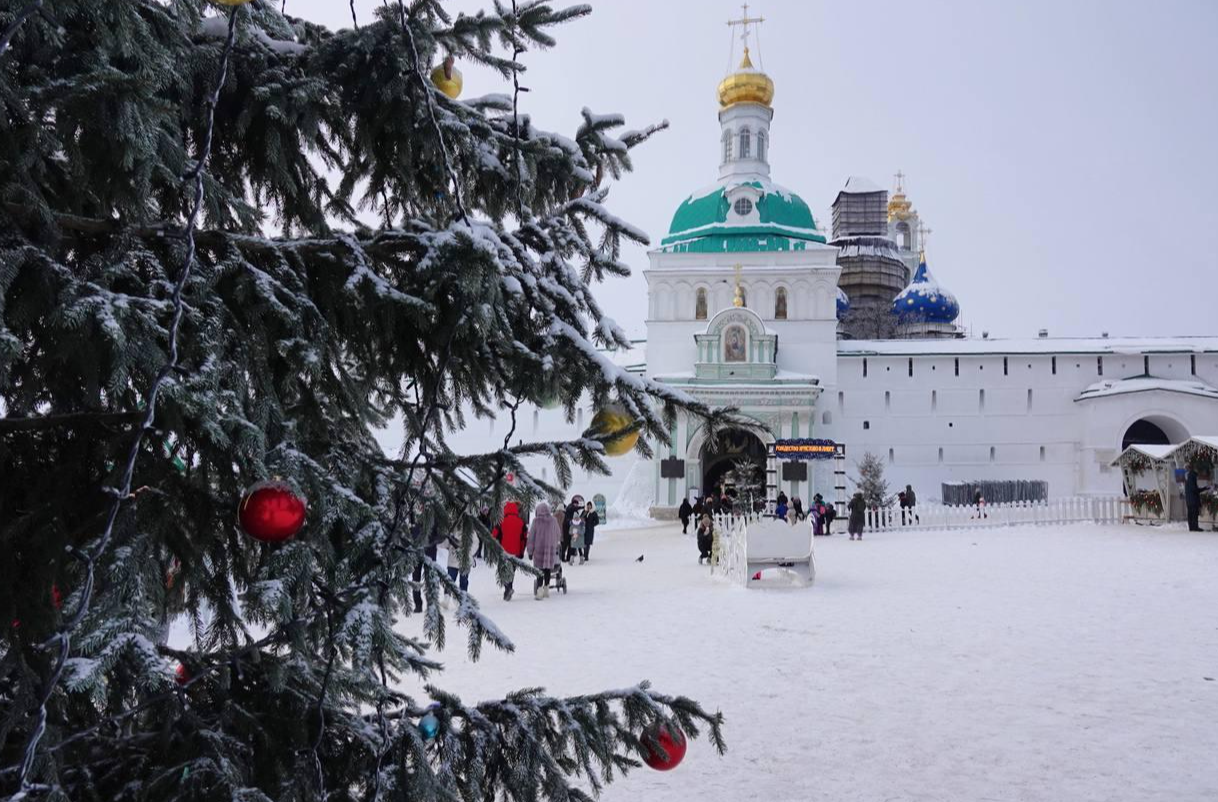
(899, 207)
(746, 85)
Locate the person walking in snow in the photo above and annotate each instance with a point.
(577, 537)
(781, 510)
(544, 539)
(979, 501)
(510, 533)
(566, 519)
(592, 519)
(783, 500)
(911, 503)
(798, 506)
(858, 509)
(683, 513)
(706, 538)
(1192, 500)
(453, 544)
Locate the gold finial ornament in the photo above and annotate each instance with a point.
(738, 301)
(447, 78)
(747, 84)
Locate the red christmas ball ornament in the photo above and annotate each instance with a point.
(181, 674)
(271, 512)
(671, 740)
(56, 597)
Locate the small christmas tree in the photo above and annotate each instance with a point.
(163, 357)
(871, 482)
(746, 478)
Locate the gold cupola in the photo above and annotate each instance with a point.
(899, 206)
(747, 85)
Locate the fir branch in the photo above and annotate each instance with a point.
(10, 31)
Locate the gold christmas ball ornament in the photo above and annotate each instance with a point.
(611, 419)
(447, 78)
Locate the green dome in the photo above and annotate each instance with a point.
(783, 222)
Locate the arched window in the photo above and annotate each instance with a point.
(903, 236)
(727, 146)
(745, 144)
(761, 145)
(700, 304)
(780, 303)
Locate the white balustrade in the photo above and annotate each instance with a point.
(1096, 509)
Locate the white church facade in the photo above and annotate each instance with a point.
(746, 308)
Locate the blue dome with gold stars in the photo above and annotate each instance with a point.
(843, 303)
(924, 300)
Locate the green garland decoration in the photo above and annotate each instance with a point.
(1143, 500)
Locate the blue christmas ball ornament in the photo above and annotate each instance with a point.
(429, 726)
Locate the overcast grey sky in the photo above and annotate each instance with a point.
(1065, 153)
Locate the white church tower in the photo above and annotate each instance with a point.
(742, 304)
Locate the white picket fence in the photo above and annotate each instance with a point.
(1093, 509)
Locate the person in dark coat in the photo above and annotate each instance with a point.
(591, 520)
(783, 500)
(706, 538)
(699, 509)
(512, 535)
(1192, 500)
(858, 509)
(712, 502)
(979, 502)
(798, 506)
(781, 510)
(568, 518)
(683, 513)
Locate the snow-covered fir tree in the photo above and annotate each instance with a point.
(871, 482)
(136, 416)
(746, 478)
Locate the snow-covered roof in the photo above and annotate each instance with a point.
(1030, 345)
(857, 184)
(867, 245)
(633, 358)
(1142, 384)
(1155, 452)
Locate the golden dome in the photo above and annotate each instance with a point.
(899, 207)
(746, 85)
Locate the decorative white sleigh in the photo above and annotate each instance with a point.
(779, 554)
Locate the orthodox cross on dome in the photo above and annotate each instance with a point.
(744, 22)
(900, 176)
(924, 234)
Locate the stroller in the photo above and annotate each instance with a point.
(557, 580)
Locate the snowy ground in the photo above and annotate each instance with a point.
(1062, 664)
